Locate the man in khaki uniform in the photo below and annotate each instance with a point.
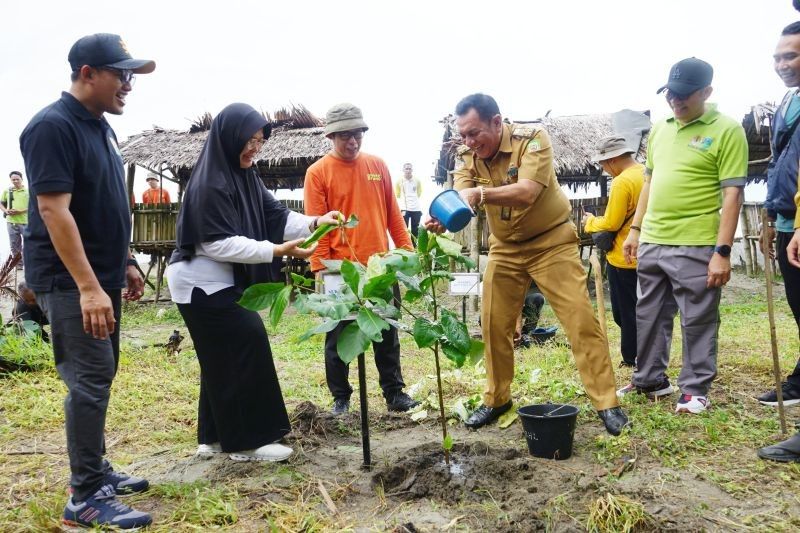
(507, 169)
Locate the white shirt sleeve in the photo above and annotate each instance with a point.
(241, 249)
(237, 249)
(297, 226)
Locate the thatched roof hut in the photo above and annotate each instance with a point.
(757, 128)
(574, 139)
(296, 142)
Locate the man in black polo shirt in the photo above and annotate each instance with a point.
(77, 261)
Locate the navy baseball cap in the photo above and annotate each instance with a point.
(688, 75)
(106, 50)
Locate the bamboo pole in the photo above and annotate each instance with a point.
(776, 364)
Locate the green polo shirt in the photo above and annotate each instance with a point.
(688, 164)
(19, 200)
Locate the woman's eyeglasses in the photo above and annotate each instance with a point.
(255, 143)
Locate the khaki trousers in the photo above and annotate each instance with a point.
(552, 261)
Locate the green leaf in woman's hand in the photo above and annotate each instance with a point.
(320, 232)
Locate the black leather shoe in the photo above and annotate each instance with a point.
(614, 420)
(340, 406)
(400, 402)
(486, 415)
(787, 451)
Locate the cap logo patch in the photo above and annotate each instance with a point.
(124, 46)
(676, 74)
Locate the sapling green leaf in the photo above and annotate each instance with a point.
(422, 239)
(476, 349)
(335, 307)
(352, 222)
(454, 354)
(371, 324)
(456, 331)
(380, 286)
(333, 265)
(351, 342)
(447, 444)
(279, 305)
(449, 247)
(302, 281)
(260, 295)
(401, 260)
(350, 275)
(426, 333)
(325, 327)
(320, 232)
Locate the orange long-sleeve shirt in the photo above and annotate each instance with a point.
(362, 187)
(155, 196)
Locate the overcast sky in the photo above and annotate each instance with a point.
(406, 64)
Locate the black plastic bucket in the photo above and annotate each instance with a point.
(549, 429)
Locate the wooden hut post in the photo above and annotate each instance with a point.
(129, 180)
(475, 250)
(748, 253)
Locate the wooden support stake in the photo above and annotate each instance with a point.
(776, 364)
(362, 393)
(598, 290)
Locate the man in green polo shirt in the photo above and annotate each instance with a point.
(14, 203)
(696, 165)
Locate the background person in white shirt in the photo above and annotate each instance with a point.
(408, 192)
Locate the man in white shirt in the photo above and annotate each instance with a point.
(408, 190)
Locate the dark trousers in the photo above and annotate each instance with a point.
(87, 366)
(622, 286)
(241, 406)
(387, 360)
(412, 217)
(791, 282)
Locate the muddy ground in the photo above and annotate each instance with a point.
(492, 484)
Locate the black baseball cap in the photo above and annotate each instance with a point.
(106, 50)
(688, 75)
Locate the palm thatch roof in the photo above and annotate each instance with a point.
(757, 126)
(296, 142)
(574, 139)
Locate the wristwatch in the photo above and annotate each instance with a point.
(724, 250)
(132, 262)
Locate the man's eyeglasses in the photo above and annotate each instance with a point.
(125, 76)
(255, 143)
(347, 135)
(672, 95)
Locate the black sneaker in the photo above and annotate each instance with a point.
(340, 406)
(400, 402)
(791, 395)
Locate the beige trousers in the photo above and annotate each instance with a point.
(552, 261)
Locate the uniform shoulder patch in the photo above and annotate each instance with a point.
(525, 131)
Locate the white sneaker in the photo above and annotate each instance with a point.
(270, 452)
(207, 450)
(692, 404)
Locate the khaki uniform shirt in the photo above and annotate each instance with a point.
(525, 153)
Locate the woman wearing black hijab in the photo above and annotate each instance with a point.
(230, 229)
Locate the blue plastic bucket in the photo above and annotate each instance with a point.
(449, 209)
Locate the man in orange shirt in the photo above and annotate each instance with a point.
(353, 182)
(155, 194)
